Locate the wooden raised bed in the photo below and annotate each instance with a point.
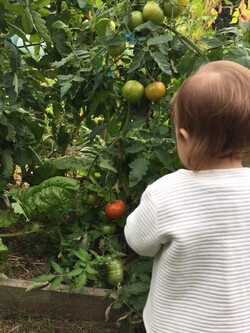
(90, 306)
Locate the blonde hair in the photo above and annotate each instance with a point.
(213, 106)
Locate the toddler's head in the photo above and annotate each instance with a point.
(213, 107)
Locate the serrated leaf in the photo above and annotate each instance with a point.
(64, 87)
(137, 61)
(105, 164)
(80, 282)
(162, 62)
(56, 283)
(139, 168)
(81, 254)
(135, 148)
(36, 286)
(56, 267)
(27, 21)
(43, 278)
(40, 26)
(75, 272)
(164, 39)
(146, 26)
(50, 194)
(91, 270)
(239, 55)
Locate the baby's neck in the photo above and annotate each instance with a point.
(222, 163)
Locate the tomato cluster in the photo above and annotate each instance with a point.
(133, 91)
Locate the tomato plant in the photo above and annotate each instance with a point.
(116, 209)
(76, 104)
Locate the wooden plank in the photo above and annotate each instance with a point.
(89, 306)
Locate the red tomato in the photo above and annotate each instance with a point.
(115, 210)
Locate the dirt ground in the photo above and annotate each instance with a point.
(16, 322)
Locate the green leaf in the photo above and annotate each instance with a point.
(136, 147)
(82, 254)
(44, 278)
(139, 168)
(56, 283)
(36, 286)
(7, 163)
(105, 164)
(81, 3)
(239, 55)
(56, 267)
(59, 25)
(27, 21)
(75, 272)
(80, 282)
(40, 26)
(7, 218)
(91, 270)
(164, 39)
(137, 61)
(50, 194)
(3, 248)
(162, 62)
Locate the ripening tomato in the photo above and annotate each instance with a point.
(133, 91)
(174, 8)
(115, 271)
(155, 91)
(115, 210)
(153, 12)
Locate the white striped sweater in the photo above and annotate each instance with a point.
(196, 225)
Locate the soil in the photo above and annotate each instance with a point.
(12, 321)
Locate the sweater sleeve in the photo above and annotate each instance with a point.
(141, 227)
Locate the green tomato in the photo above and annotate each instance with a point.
(136, 18)
(116, 50)
(174, 8)
(108, 229)
(91, 199)
(36, 226)
(115, 271)
(133, 91)
(153, 12)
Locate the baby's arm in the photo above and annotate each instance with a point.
(141, 227)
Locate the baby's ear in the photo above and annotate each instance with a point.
(184, 135)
